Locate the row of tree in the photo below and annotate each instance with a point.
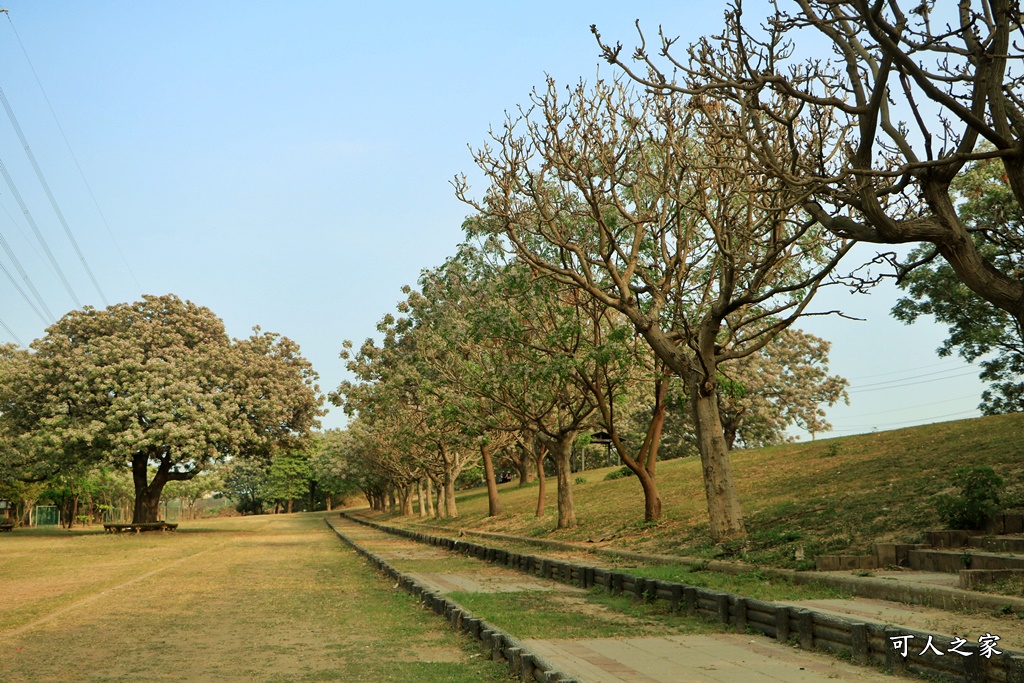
(492, 362)
(674, 223)
(643, 244)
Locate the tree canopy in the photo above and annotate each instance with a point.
(978, 331)
(911, 95)
(153, 384)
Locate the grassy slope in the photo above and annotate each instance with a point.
(831, 496)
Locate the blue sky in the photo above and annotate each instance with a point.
(288, 165)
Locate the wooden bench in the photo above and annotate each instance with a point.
(6, 526)
(137, 528)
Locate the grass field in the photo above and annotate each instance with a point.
(273, 598)
(799, 500)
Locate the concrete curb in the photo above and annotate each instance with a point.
(522, 662)
(942, 597)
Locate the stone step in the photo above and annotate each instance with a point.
(999, 544)
(971, 579)
(882, 555)
(953, 561)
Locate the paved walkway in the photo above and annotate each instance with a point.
(735, 658)
(722, 657)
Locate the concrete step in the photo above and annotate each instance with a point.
(999, 544)
(953, 561)
(882, 555)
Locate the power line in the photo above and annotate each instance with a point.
(904, 370)
(922, 405)
(907, 423)
(883, 386)
(67, 143)
(11, 332)
(49, 194)
(38, 234)
(28, 282)
(22, 292)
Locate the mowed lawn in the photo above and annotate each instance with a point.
(271, 598)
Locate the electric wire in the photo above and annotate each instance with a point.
(49, 194)
(907, 423)
(39, 235)
(28, 281)
(22, 292)
(914, 407)
(67, 143)
(28, 241)
(884, 386)
(905, 370)
(11, 332)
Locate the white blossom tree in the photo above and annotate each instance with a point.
(157, 386)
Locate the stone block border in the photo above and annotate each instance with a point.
(941, 597)
(522, 662)
(864, 642)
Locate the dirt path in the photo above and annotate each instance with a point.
(652, 659)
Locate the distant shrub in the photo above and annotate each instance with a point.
(619, 473)
(580, 480)
(980, 488)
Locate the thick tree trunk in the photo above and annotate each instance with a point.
(147, 494)
(421, 498)
(719, 488)
(493, 504)
(561, 453)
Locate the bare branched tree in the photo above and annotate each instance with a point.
(913, 94)
(653, 206)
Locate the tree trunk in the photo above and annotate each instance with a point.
(391, 499)
(493, 504)
(431, 510)
(524, 465)
(449, 496)
(561, 453)
(541, 481)
(440, 509)
(719, 488)
(652, 501)
(147, 494)
(420, 498)
(405, 494)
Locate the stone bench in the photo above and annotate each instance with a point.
(137, 528)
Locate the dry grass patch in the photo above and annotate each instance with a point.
(273, 599)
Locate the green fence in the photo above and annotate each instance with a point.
(46, 515)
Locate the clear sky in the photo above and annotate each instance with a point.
(288, 165)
